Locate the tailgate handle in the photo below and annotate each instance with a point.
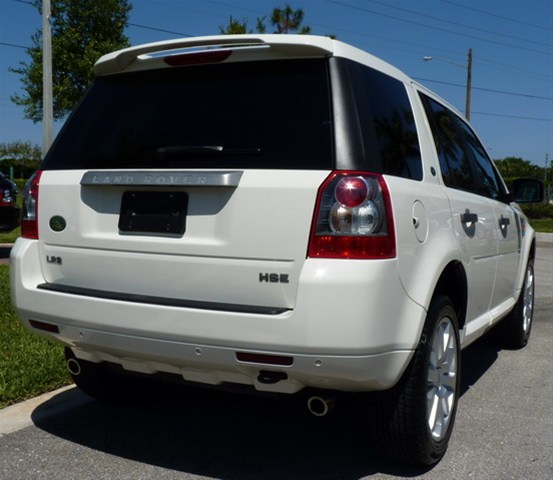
(162, 178)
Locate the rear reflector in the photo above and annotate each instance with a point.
(264, 359)
(47, 327)
(199, 58)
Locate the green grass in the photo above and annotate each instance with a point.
(10, 237)
(29, 364)
(543, 225)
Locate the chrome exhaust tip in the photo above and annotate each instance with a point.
(73, 366)
(320, 406)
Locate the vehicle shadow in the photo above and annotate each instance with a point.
(477, 359)
(235, 436)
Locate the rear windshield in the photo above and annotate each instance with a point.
(263, 115)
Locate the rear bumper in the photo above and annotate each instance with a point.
(353, 328)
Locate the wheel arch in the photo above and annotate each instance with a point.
(453, 284)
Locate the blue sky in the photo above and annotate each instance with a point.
(512, 43)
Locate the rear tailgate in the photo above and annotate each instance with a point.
(244, 240)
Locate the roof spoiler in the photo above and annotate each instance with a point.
(295, 45)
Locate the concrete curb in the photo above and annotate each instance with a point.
(17, 417)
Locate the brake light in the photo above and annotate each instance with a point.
(197, 58)
(29, 222)
(353, 218)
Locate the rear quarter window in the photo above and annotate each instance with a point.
(385, 116)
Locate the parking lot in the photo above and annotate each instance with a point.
(504, 427)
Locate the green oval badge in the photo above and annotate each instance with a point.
(57, 223)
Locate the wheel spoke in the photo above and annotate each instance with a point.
(433, 402)
(433, 377)
(449, 381)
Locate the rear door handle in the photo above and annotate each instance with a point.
(469, 217)
(504, 222)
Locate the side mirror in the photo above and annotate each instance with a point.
(527, 190)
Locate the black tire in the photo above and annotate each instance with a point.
(97, 381)
(516, 327)
(413, 421)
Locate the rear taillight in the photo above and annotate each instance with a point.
(29, 222)
(353, 218)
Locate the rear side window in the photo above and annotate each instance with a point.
(391, 144)
(489, 182)
(265, 115)
(454, 160)
(463, 160)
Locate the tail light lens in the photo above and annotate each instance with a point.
(29, 222)
(353, 218)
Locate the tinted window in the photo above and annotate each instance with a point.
(454, 159)
(387, 124)
(489, 183)
(270, 114)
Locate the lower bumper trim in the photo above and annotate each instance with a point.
(164, 301)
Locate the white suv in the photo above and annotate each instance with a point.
(279, 211)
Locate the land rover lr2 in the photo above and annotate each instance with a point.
(284, 212)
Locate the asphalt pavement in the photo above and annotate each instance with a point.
(504, 427)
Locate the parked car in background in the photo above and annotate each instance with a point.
(284, 212)
(10, 213)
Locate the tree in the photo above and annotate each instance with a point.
(285, 20)
(514, 167)
(81, 33)
(22, 156)
(237, 27)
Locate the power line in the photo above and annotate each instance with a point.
(137, 25)
(485, 89)
(502, 67)
(443, 20)
(224, 4)
(513, 116)
(355, 7)
(13, 45)
(520, 22)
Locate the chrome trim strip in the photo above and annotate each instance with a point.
(152, 178)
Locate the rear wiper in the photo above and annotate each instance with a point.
(206, 150)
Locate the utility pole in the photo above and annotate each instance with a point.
(469, 84)
(468, 66)
(47, 91)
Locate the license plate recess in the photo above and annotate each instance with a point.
(153, 212)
